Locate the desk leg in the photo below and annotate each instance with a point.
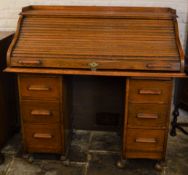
(28, 157)
(121, 163)
(1, 158)
(174, 121)
(160, 165)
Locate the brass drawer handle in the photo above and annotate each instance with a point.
(38, 88)
(29, 62)
(93, 66)
(167, 66)
(42, 136)
(149, 92)
(146, 140)
(41, 112)
(147, 116)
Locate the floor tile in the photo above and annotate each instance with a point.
(106, 165)
(177, 155)
(81, 137)
(57, 168)
(14, 145)
(105, 141)
(77, 154)
(4, 167)
(79, 146)
(22, 167)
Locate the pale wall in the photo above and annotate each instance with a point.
(9, 9)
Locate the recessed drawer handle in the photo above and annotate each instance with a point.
(146, 140)
(147, 116)
(167, 66)
(38, 88)
(42, 136)
(149, 92)
(41, 112)
(29, 62)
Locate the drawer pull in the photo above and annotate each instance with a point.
(146, 140)
(167, 66)
(41, 112)
(42, 136)
(147, 116)
(38, 88)
(149, 92)
(29, 62)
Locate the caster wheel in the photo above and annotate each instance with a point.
(121, 164)
(25, 156)
(66, 162)
(2, 158)
(159, 166)
(30, 159)
(63, 158)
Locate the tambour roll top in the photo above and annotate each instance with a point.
(97, 38)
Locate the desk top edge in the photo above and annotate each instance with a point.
(96, 73)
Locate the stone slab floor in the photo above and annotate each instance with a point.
(94, 153)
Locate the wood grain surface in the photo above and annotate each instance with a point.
(111, 38)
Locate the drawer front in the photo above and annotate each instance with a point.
(151, 91)
(38, 87)
(145, 140)
(148, 115)
(42, 138)
(39, 111)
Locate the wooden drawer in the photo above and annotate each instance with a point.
(148, 115)
(39, 111)
(145, 140)
(37, 87)
(151, 91)
(42, 138)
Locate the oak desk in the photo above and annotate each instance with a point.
(139, 44)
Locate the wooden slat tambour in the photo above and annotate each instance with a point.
(75, 37)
